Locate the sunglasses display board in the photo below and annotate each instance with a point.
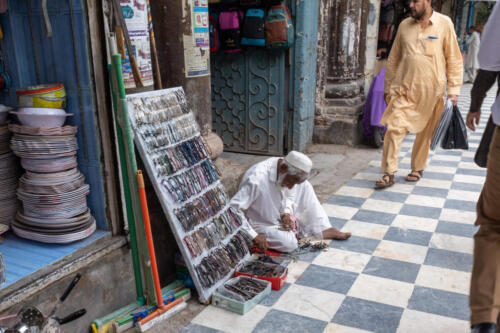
(207, 230)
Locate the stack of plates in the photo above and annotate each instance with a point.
(9, 173)
(52, 191)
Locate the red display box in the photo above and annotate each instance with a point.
(276, 282)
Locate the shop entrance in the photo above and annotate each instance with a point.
(250, 92)
(47, 49)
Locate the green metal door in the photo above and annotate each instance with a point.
(248, 100)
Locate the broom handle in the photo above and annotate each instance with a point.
(149, 237)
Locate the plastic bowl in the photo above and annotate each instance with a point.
(42, 120)
(42, 96)
(44, 111)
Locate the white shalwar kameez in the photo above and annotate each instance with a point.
(263, 201)
(471, 62)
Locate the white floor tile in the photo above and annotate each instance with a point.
(341, 212)
(310, 302)
(463, 195)
(367, 176)
(355, 191)
(336, 328)
(400, 188)
(470, 153)
(469, 179)
(414, 222)
(375, 163)
(377, 289)
(436, 183)
(449, 158)
(401, 251)
(226, 321)
(341, 259)
(417, 322)
(444, 279)
(406, 160)
(295, 270)
(439, 168)
(469, 165)
(452, 243)
(365, 229)
(459, 216)
(423, 200)
(382, 206)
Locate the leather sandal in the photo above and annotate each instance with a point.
(386, 181)
(416, 176)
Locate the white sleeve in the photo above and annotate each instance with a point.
(489, 51)
(242, 201)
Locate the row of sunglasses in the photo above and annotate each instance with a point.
(213, 233)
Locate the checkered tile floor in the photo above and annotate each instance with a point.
(405, 269)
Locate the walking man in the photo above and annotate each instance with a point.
(485, 279)
(424, 55)
(471, 62)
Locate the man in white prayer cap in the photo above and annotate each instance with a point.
(280, 204)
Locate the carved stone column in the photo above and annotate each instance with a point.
(341, 104)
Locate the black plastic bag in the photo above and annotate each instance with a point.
(456, 135)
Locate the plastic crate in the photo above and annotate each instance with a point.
(236, 306)
(276, 282)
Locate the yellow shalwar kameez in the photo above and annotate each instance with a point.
(421, 62)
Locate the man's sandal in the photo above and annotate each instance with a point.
(386, 181)
(414, 176)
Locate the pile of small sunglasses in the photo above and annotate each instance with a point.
(213, 233)
(219, 262)
(190, 182)
(263, 268)
(202, 208)
(245, 287)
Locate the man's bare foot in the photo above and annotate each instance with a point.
(333, 233)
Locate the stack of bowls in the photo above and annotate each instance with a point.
(52, 191)
(9, 173)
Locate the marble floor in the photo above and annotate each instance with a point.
(405, 269)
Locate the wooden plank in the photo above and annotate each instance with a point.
(103, 106)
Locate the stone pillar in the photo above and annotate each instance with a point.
(338, 112)
(172, 22)
(371, 42)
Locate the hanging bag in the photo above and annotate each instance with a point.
(443, 124)
(214, 33)
(456, 135)
(230, 30)
(481, 156)
(279, 28)
(253, 28)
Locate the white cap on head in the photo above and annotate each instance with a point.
(299, 161)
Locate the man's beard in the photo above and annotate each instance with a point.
(279, 182)
(418, 15)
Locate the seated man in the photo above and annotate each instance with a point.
(280, 204)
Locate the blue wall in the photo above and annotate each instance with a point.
(303, 75)
(56, 64)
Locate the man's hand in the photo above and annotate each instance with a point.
(286, 222)
(473, 119)
(387, 98)
(454, 99)
(261, 242)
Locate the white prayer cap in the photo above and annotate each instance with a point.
(299, 161)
